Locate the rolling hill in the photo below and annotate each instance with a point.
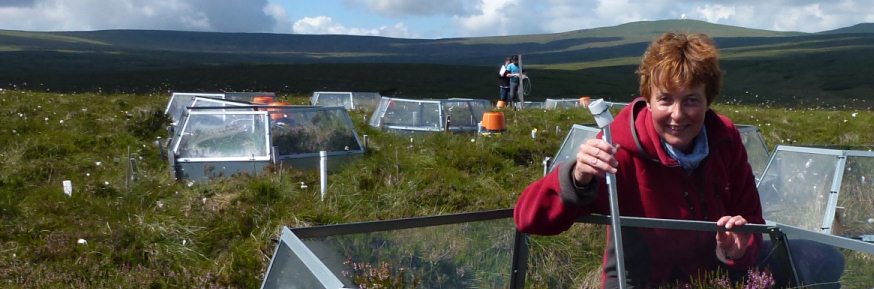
(599, 61)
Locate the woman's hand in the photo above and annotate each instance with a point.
(731, 245)
(594, 158)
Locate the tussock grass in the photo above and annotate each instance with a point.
(160, 233)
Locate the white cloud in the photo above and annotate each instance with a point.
(551, 16)
(399, 8)
(786, 15)
(327, 25)
(281, 22)
(197, 15)
(497, 17)
(510, 17)
(716, 12)
(448, 18)
(799, 17)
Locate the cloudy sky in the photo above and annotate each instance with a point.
(420, 18)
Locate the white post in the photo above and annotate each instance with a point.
(68, 188)
(323, 172)
(603, 117)
(546, 164)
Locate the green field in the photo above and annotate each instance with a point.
(156, 232)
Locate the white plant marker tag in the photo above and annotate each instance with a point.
(68, 188)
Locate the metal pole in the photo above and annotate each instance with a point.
(599, 110)
(448, 123)
(127, 171)
(780, 243)
(521, 88)
(520, 261)
(323, 172)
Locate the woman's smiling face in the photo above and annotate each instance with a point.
(678, 114)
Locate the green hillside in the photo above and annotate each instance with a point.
(599, 61)
(641, 31)
(858, 28)
(602, 42)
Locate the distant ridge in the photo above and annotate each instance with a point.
(858, 28)
(635, 32)
(650, 29)
(277, 44)
(828, 67)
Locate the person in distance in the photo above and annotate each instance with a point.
(504, 81)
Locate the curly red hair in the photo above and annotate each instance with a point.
(677, 60)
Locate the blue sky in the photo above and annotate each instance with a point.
(420, 18)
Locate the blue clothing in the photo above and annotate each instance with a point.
(513, 68)
(690, 161)
(505, 94)
(514, 91)
(818, 265)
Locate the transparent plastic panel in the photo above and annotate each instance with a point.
(854, 215)
(247, 96)
(422, 115)
(576, 136)
(795, 188)
(379, 112)
(859, 269)
(616, 107)
(533, 104)
(343, 99)
(821, 265)
(206, 102)
(568, 104)
(573, 258)
(467, 255)
(289, 272)
(366, 100)
(480, 106)
(430, 116)
(308, 131)
(223, 135)
(462, 113)
(757, 152)
(177, 106)
(561, 103)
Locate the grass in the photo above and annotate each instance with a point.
(160, 233)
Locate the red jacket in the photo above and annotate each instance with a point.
(652, 184)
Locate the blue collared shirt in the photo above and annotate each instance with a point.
(690, 161)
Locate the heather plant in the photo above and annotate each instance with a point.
(719, 279)
(382, 275)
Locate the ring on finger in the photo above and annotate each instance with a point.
(593, 162)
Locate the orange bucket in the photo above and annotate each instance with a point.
(493, 121)
(501, 104)
(262, 99)
(275, 114)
